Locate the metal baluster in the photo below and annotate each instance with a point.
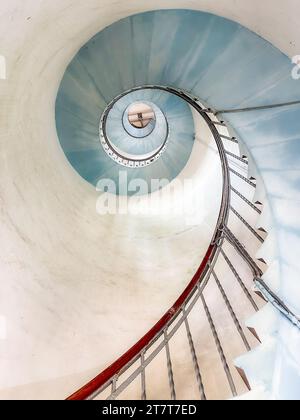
(195, 359)
(243, 178)
(240, 281)
(170, 369)
(113, 388)
(250, 228)
(241, 250)
(232, 313)
(246, 200)
(206, 110)
(143, 377)
(233, 139)
(236, 157)
(219, 347)
(275, 300)
(219, 123)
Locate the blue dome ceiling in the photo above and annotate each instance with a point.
(218, 60)
(78, 130)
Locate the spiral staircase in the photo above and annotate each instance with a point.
(218, 292)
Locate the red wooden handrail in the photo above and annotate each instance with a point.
(96, 383)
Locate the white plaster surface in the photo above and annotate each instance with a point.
(79, 288)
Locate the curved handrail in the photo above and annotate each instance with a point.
(147, 339)
(128, 358)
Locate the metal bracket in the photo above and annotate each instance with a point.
(271, 297)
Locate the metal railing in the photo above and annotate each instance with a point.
(113, 380)
(124, 158)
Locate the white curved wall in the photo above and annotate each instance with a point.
(73, 280)
(274, 20)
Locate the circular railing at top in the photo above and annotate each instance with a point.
(126, 159)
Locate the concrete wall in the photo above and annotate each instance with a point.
(76, 285)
